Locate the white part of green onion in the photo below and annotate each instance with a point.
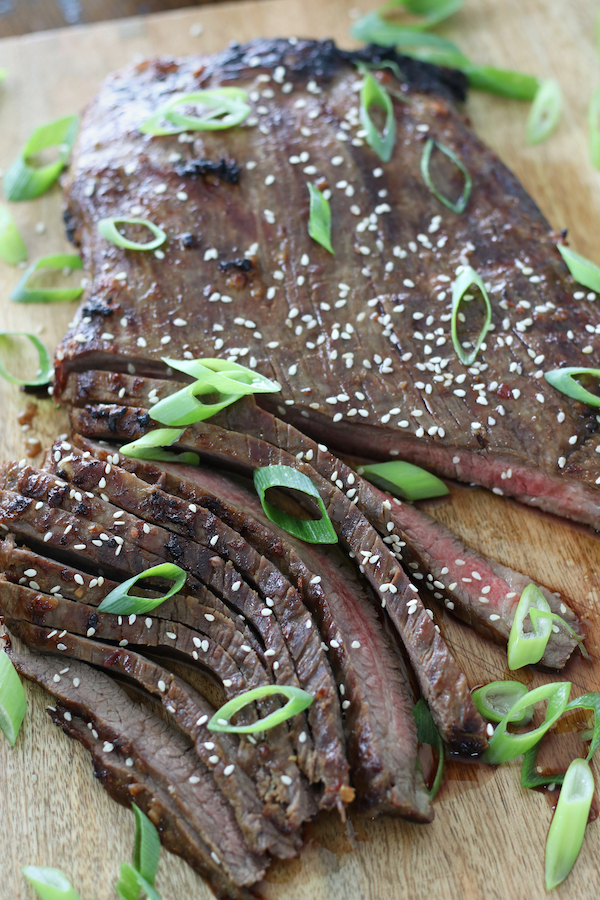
(567, 830)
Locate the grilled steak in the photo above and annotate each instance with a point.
(359, 341)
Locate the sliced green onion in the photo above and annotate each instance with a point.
(146, 847)
(184, 408)
(496, 700)
(373, 94)
(298, 700)
(108, 229)
(24, 181)
(320, 531)
(583, 271)
(530, 777)
(594, 127)
(433, 11)
(13, 703)
(564, 381)
(224, 376)
(545, 112)
(50, 884)
(465, 280)
(12, 246)
(504, 82)
(373, 29)
(504, 746)
(319, 219)
(225, 108)
(459, 205)
(25, 294)
(591, 700)
(524, 647)
(150, 446)
(565, 837)
(427, 733)
(45, 369)
(403, 479)
(121, 602)
(131, 882)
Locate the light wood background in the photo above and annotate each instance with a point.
(488, 837)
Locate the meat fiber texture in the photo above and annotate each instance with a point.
(359, 340)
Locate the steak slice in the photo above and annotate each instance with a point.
(301, 661)
(187, 708)
(359, 341)
(127, 785)
(443, 684)
(159, 752)
(379, 724)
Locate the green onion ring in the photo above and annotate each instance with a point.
(461, 204)
(545, 112)
(404, 480)
(121, 602)
(50, 884)
(504, 746)
(108, 229)
(13, 703)
(229, 102)
(524, 647)
(496, 699)
(224, 376)
(150, 446)
(131, 882)
(567, 830)
(298, 700)
(12, 246)
(45, 370)
(427, 733)
(583, 271)
(564, 381)
(23, 181)
(24, 294)
(465, 280)
(320, 531)
(319, 220)
(373, 94)
(184, 407)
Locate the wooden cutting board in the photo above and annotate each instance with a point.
(488, 837)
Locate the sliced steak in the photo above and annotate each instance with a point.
(127, 785)
(368, 367)
(301, 661)
(189, 710)
(443, 684)
(158, 751)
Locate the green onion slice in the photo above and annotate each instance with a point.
(524, 647)
(591, 700)
(459, 205)
(496, 700)
(465, 280)
(13, 703)
(150, 446)
(298, 700)
(567, 829)
(504, 82)
(594, 127)
(146, 847)
(121, 602)
(25, 294)
(50, 884)
(24, 180)
(108, 229)
(45, 369)
(131, 882)
(403, 479)
(427, 733)
(319, 219)
(320, 531)
(224, 376)
(504, 746)
(12, 245)
(545, 112)
(373, 94)
(184, 407)
(372, 28)
(564, 380)
(224, 108)
(583, 271)
(530, 777)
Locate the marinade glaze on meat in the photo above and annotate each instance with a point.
(359, 342)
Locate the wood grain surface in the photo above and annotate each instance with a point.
(488, 837)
